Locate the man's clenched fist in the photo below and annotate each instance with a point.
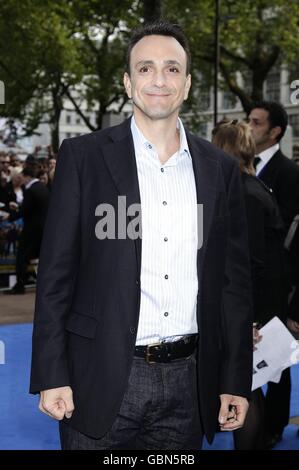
(57, 402)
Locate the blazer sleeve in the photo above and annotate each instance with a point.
(256, 239)
(57, 270)
(237, 312)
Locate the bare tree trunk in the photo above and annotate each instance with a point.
(151, 10)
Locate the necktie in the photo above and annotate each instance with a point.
(256, 161)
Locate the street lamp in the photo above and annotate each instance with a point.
(216, 58)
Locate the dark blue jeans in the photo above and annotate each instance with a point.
(159, 411)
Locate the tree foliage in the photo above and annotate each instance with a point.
(52, 50)
(255, 35)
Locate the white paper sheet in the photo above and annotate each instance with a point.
(277, 350)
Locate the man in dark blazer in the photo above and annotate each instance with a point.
(269, 121)
(33, 211)
(143, 342)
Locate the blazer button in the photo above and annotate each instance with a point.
(137, 282)
(132, 330)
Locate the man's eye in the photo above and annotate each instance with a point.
(144, 69)
(174, 69)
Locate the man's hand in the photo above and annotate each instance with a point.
(257, 337)
(293, 326)
(57, 402)
(4, 215)
(232, 412)
(13, 206)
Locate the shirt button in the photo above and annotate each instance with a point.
(166, 276)
(164, 203)
(162, 170)
(166, 314)
(165, 239)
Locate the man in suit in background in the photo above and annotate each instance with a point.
(269, 121)
(143, 342)
(33, 211)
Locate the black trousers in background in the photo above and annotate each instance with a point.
(159, 411)
(28, 248)
(277, 404)
(252, 435)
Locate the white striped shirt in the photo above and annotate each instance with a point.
(169, 281)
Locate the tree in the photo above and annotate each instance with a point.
(102, 29)
(52, 50)
(255, 35)
(38, 61)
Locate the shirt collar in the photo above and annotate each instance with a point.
(265, 157)
(267, 154)
(28, 185)
(142, 141)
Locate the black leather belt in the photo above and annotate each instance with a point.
(167, 352)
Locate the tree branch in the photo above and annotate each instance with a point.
(236, 57)
(122, 104)
(78, 110)
(235, 88)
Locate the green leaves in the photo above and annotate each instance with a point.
(50, 50)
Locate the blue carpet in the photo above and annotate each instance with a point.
(24, 427)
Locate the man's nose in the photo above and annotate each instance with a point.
(159, 79)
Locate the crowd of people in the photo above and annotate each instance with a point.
(24, 193)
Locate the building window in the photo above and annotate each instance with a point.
(78, 121)
(273, 85)
(68, 119)
(202, 129)
(68, 135)
(204, 100)
(229, 100)
(294, 123)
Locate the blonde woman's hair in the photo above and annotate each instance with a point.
(235, 138)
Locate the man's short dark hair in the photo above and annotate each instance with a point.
(277, 115)
(159, 28)
(30, 170)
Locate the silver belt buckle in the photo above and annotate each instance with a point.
(149, 353)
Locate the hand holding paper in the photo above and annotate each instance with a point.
(277, 350)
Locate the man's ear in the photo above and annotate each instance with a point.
(127, 84)
(187, 86)
(274, 132)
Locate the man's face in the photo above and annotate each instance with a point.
(157, 84)
(26, 179)
(52, 164)
(5, 163)
(44, 178)
(263, 136)
(13, 160)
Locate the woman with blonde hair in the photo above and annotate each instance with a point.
(265, 237)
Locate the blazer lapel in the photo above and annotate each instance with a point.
(271, 170)
(205, 173)
(120, 159)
